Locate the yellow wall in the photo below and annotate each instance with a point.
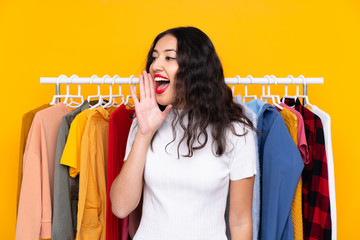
(313, 38)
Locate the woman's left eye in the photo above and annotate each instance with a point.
(170, 58)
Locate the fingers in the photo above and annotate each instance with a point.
(152, 86)
(141, 83)
(133, 94)
(147, 83)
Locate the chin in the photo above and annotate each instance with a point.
(163, 102)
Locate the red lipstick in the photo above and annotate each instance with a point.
(161, 86)
(158, 75)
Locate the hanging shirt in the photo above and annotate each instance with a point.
(297, 211)
(72, 151)
(91, 219)
(119, 126)
(291, 123)
(280, 167)
(301, 137)
(36, 195)
(316, 202)
(256, 193)
(326, 121)
(66, 188)
(185, 198)
(25, 127)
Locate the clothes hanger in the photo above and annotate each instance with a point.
(120, 95)
(58, 97)
(275, 98)
(67, 97)
(110, 96)
(304, 97)
(286, 96)
(99, 96)
(246, 90)
(129, 96)
(233, 87)
(233, 90)
(72, 103)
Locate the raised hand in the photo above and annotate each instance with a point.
(148, 113)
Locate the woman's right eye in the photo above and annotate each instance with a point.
(153, 58)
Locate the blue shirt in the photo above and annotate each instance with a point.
(280, 169)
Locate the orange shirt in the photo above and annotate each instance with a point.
(25, 127)
(290, 120)
(91, 220)
(35, 202)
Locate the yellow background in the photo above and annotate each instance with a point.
(280, 37)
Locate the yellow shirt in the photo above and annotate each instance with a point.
(92, 183)
(71, 153)
(74, 156)
(290, 120)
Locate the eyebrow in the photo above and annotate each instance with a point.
(166, 50)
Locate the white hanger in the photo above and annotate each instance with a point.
(246, 90)
(110, 96)
(66, 97)
(286, 96)
(120, 95)
(129, 96)
(72, 103)
(233, 87)
(55, 97)
(99, 103)
(305, 97)
(268, 95)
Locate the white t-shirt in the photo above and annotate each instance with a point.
(185, 198)
(326, 122)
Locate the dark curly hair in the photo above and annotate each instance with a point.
(201, 91)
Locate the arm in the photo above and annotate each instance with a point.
(240, 216)
(127, 187)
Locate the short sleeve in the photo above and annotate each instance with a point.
(243, 157)
(71, 154)
(131, 138)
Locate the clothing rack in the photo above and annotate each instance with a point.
(106, 79)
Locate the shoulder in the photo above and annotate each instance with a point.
(239, 128)
(242, 137)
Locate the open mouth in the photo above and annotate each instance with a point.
(162, 83)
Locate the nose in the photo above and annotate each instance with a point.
(156, 65)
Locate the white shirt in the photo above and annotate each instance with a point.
(325, 119)
(185, 198)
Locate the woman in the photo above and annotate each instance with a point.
(188, 141)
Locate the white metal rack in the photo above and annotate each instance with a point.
(268, 80)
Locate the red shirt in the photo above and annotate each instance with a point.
(119, 126)
(315, 189)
